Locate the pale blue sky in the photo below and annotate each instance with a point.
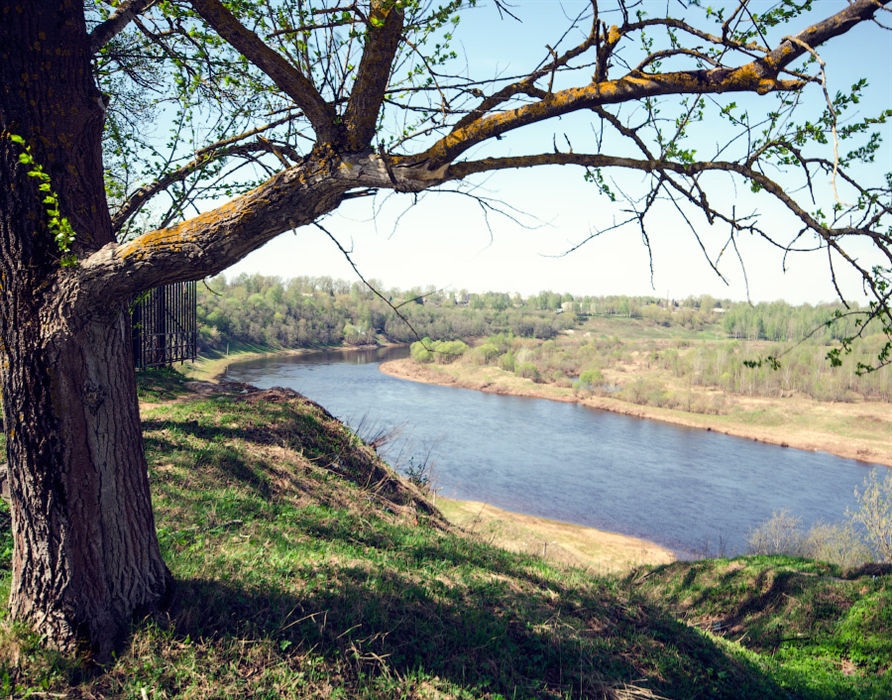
(444, 240)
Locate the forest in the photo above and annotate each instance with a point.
(706, 344)
(307, 312)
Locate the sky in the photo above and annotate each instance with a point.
(445, 240)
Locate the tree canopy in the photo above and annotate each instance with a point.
(252, 91)
(277, 113)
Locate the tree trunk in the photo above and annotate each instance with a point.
(86, 555)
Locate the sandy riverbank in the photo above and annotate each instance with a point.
(576, 545)
(858, 430)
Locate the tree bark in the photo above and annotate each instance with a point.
(86, 556)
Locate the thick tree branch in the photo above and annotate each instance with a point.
(210, 242)
(106, 31)
(752, 77)
(203, 157)
(288, 78)
(526, 86)
(383, 36)
(759, 76)
(815, 35)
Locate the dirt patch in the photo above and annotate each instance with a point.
(207, 388)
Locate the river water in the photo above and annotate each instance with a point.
(695, 492)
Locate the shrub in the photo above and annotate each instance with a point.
(656, 396)
(448, 351)
(527, 370)
(635, 391)
(875, 513)
(420, 352)
(780, 534)
(837, 543)
(486, 353)
(506, 361)
(644, 392)
(590, 378)
(442, 352)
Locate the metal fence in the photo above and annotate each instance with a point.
(165, 328)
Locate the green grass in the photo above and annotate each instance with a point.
(211, 363)
(306, 568)
(635, 329)
(821, 631)
(158, 384)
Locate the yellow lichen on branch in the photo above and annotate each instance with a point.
(189, 232)
(757, 76)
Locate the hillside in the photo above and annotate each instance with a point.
(307, 568)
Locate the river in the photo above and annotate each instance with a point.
(693, 491)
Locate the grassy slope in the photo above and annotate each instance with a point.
(814, 625)
(306, 568)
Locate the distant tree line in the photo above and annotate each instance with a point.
(321, 311)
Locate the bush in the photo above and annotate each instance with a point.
(420, 352)
(448, 351)
(644, 392)
(506, 361)
(590, 378)
(838, 543)
(442, 352)
(780, 534)
(875, 513)
(486, 353)
(527, 370)
(635, 391)
(657, 397)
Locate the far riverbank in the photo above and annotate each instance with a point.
(858, 430)
(212, 369)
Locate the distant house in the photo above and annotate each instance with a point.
(164, 325)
